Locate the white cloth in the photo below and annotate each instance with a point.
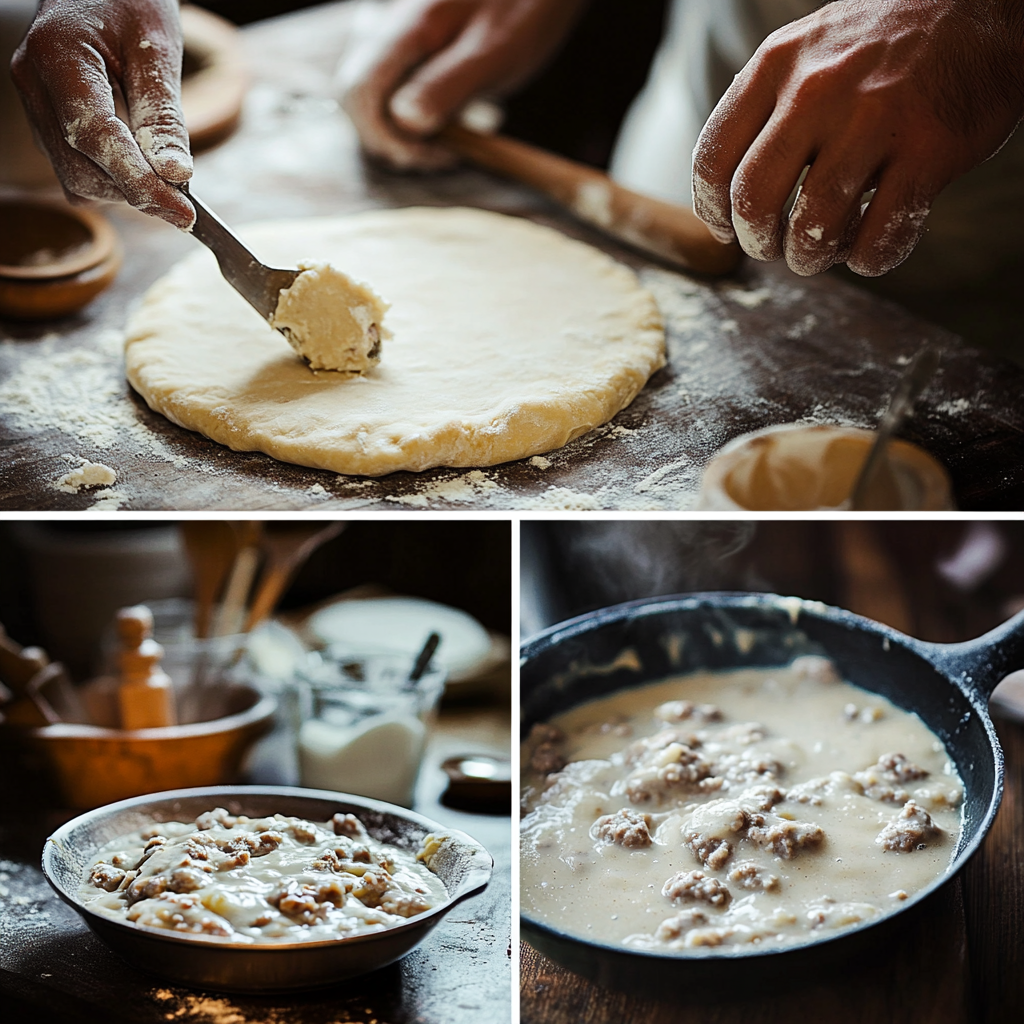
(706, 44)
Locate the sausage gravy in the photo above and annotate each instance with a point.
(767, 806)
(275, 879)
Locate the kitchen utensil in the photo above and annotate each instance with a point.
(478, 782)
(286, 546)
(257, 283)
(212, 963)
(947, 685)
(916, 378)
(211, 549)
(423, 658)
(672, 233)
(248, 538)
(19, 664)
(145, 695)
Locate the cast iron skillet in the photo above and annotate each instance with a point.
(948, 685)
(215, 963)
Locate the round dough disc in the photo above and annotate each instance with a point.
(509, 340)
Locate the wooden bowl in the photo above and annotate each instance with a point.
(92, 766)
(54, 258)
(215, 77)
(801, 467)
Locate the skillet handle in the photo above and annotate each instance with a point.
(983, 663)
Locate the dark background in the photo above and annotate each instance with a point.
(464, 564)
(939, 581)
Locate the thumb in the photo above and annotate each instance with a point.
(152, 88)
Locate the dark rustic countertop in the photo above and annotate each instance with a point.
(762, 347)
(960, 962)
(53, 968)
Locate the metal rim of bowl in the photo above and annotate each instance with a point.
(591, 621)
(192, 941)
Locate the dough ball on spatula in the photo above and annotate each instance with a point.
(333, 322)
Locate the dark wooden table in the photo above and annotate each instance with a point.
(961, 961)
(53, 968)
(763, 347)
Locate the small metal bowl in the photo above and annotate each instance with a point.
(209, 962)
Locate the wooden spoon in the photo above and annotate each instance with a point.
(212, 549)
(286, 546)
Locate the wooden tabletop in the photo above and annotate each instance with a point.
(961, 962)
(762, 347)
(52, 967)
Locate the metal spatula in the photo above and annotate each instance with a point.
(258, 284)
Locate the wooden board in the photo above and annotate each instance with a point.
(763, 347)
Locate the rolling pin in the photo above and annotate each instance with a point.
(672, 233)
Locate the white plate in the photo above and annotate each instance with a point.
(401, 625)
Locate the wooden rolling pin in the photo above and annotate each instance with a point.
(672, 233)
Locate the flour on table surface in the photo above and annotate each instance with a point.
(540, 462)
(85, 475)
(462, 489)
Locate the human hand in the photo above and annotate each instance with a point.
(897, 97)
(433, 57)
(73, 58)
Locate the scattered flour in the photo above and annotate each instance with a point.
(318, 491)
(957, 407)
(81, 392)
(748, 299)
(564, 499)
(468, 487)
(85, 476)
(108, 500)
(802, 327)
(540, 462)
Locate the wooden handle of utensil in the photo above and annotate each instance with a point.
(673, 233)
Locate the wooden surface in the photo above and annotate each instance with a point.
(53, 968)
(961, 963)
(762, 347)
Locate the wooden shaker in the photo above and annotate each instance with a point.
(146, 695)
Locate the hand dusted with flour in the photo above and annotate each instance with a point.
(77, 56)
(897, 97)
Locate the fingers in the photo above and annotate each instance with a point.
(762, 185)
(892, 224)
(730, 131)
(152, 90)
(372, 76)
(825, 219)
(85, 112)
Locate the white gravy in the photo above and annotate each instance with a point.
(767, 810)
(275, 879)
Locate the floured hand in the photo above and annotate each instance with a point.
(897, 97)
(76, 55)
(424, 60)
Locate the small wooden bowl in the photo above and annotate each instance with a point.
(54, 258)
(803, 467)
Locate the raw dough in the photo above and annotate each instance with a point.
(333, 322)
(509, 340)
